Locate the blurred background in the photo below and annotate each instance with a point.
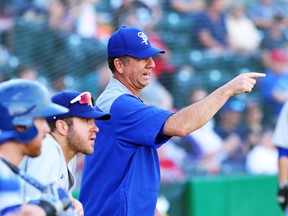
(229, 166)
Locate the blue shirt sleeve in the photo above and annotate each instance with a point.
(138, 123)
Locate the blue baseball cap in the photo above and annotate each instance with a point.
(233, 105)
(77, 107)
(23, 101)
(131, 41)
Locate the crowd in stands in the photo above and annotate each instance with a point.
(63, 44)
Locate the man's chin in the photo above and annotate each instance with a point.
(34, 154)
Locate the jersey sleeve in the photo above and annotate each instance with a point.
(138, 123)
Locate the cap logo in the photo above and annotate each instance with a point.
(144, 37)
(20, 113)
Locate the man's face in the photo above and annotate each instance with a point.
(81, 135)
(137, 72)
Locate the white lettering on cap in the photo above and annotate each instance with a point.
(144, 37)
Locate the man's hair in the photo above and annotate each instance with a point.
(68, 120)
(111, 65)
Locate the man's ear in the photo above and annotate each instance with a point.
(61, 127)
(118, 65)
(20, 128)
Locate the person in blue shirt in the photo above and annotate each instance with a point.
(262, 12)
(274, 89)
(211, 28)
(122, 177)
(24, 105)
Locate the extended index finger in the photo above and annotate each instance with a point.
(256, 75)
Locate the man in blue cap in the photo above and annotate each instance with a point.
(71, 133)
(123, 176)
(24, 105)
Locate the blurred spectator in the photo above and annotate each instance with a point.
(263, 158)
(6, 23)
(61, 83)
(184, 83)
(210, 27)
(86, 25)
(132, 11)
(252, 126)
(228, 128)
(274, 88)
(274, 37)
(5, 66)
(30, 71)
(95, 81)
(26, 71)
(90, 22)
(263, 11)
(238, 22)
(115, 4)
(62, 16)
(188, 7)
(20, 7)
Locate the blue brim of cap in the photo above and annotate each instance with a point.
(88, 113)
(94, 114)
(146, 53)
(51, 110)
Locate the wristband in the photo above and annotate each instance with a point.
(47, 206)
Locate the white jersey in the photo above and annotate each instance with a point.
(9, 188)
(280, 137)
(49, 167)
